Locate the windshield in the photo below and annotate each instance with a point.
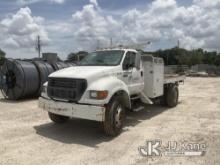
(103, 58)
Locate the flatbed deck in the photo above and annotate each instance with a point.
(172, 78)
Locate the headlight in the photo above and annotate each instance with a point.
(99, 95)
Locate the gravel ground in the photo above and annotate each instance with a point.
(27, 136)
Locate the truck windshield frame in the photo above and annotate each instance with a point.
(103, 58)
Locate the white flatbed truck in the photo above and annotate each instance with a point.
(105, 85)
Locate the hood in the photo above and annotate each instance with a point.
(83, 72)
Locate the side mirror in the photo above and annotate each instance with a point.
(127, 66)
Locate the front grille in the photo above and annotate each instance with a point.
(66, 88)
(62, 82)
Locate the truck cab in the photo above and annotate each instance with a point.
(105, 85)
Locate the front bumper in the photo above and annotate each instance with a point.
(89, 112)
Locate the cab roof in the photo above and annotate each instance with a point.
(123, 49)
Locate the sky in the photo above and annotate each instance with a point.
(66, 26)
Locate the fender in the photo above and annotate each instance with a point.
(112, 84)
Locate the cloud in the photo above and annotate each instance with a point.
(195, 26)
(163, 5)
(207, 3)
(92, 26)
(60, 27)
(58, 1)
(26, 2)
(94, 2)
(21, 29)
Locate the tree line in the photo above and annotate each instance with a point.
(180, 56)
(2, 56)
(173, 56)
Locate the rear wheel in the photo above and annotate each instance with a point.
(57, 118)
(114, 116)
(171, 96)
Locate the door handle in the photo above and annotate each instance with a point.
(126, 74)
(142, 74)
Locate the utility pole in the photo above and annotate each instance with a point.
(38, 47)
(178, 48)
(111, 43)
(97, 44)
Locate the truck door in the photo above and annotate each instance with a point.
(132, 73)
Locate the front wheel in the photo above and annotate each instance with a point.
(114, 116)
(57, 118)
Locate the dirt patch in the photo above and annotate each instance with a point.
(27, 136)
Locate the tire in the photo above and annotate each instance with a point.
(172, 96)
(57, 118)
(114, 116)
(162, 99)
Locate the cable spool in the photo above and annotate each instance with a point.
(44, 70)
(21, 79)
(25, 78)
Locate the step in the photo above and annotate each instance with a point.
(140, 108)
(135, 98)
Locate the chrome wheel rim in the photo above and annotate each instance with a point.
(118, 117)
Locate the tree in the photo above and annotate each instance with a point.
(196, 57)
(217, 60)
(209, 57)
(71, 57)
(76, 57)
(180, 56)
(2, 57)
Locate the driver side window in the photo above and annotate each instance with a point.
(129, 61)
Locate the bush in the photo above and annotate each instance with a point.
(2, 57)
